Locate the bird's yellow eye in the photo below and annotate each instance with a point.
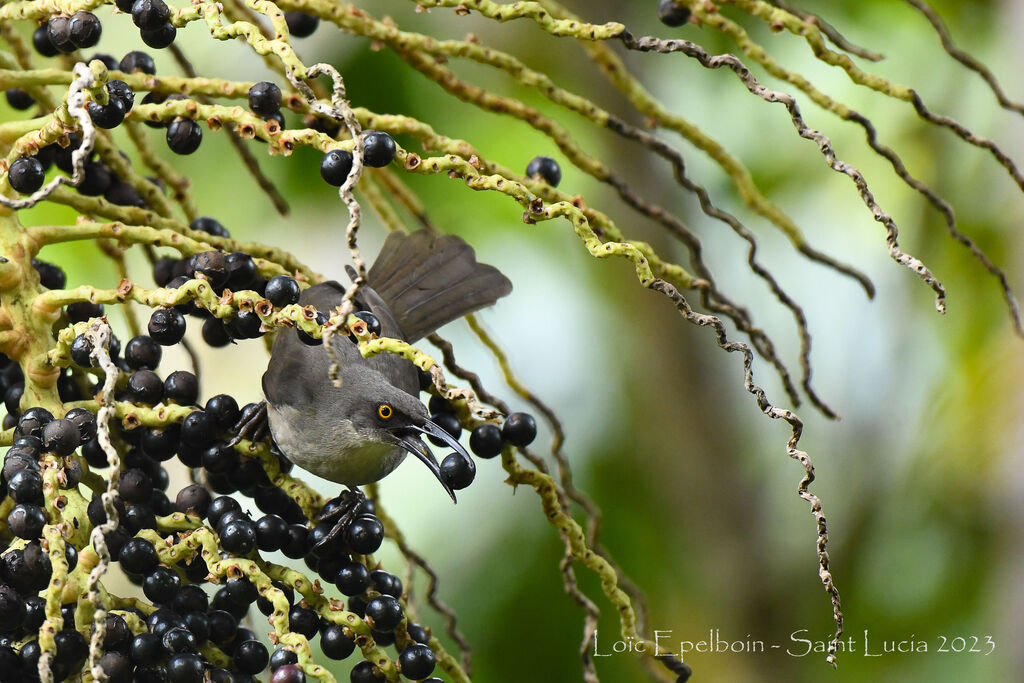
(384, 411)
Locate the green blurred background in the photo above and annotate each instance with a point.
(921, 479)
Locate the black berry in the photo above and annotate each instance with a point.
(209, 225)
(334, 643)
(384, 612)
(672, 13)
(142, 352)
(85, 30)
(546, 169)
(150, 14)
(378, 149)
(520, 429)
(160, 37)
(138, 61)
(282, 290)
(58, 29)
(264, 98)
(457, 471)
(61, 437)
(41, 42)
(301, 25)
(417, 662)
(182, 387)
(364, 535)
(335, 167)
(166, 326)
(485, 440)
(184, 136)
(18, 99)
(26, 175)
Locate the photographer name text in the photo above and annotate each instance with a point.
(799, 644)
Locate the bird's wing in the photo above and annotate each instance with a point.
(298, 373)
(427, 281)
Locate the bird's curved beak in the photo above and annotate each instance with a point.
(409, 439)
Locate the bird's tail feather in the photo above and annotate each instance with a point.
(429, 280)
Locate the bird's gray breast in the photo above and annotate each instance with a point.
(331, 448)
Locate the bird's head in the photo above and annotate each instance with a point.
(391, 416)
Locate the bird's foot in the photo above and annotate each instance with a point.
(252, 425)
(343, 510)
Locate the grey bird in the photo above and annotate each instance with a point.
(360, 432)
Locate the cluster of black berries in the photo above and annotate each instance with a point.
(28, 173)
(485, 441)
(235, 272)
(64, 35)
(153, 19)
(378, 151)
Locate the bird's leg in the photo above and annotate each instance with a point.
(349, 503)
(252, 425)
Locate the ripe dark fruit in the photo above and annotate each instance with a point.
(271, 532)
(238, 537)
(456, 471)
(58, 29)
(138, 61)
(364, 535)
(24, 521)
(282, 290)
(672, 13)
(194, 498)
(215, 333)
(288, 673)
(372, 323)
(209, 225)
(50, 276)
(353, 578)
(417, 662)
(142, 352)
(61, 437)
(301, 620)
(184, 136)
(384, 612)
(139, 556)
(546, 169)
(145, 387)
(378, 149)
(18, 99)
(182, 387)
(121, 91)
(363, 672)
(96, 179)
(301, 25)
(419, 633)
(321, 319)
(117, 667)
(198, 429)
(41, 42)
(135, 486)
(251, 657)
(85, 30)
(166, 326)
(264, 98)
(161, 585)
(160, 37)
(83, 310)
(150, 14)
(520, 429)
(386, 583)
(335, 167)
(449, 423)
(26, 175)
(335, 643)
(184, 668)
(109, 115)
(85, 421)
(224, 410)
(213, 265)
(485, 440)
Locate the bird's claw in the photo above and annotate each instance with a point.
(347, 509)
(252, 425)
